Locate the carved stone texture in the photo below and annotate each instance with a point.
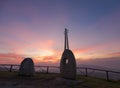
(68, 65)
(27, 67)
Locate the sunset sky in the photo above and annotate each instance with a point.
(35, 28)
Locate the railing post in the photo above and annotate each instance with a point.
(107, 76)
(10, 68)
(47, 69)
(86, 72)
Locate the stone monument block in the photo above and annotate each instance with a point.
(68, 65)
(27, 67)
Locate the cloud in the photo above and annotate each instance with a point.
(114, 54)
(20, 39)
(49, 59)
(46, 59)
(11, 58)
(98, 51)
(91, 48)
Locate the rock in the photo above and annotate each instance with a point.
(27, 67)
(68, 65)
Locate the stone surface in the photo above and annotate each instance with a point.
(27, 67)
(68, 65)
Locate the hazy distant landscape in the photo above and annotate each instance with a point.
(107, 63)
(100, 63)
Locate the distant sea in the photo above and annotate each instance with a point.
(106, 64)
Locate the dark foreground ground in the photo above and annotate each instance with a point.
(42, 80)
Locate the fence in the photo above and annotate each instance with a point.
(108, 75)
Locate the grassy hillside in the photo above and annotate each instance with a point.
(92, 82)
(40, 80)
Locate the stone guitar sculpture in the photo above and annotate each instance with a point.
(68, 62)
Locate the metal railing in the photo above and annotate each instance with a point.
(107, 73)
(86, 71)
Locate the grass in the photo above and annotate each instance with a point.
(7, 74)
(98, 83)
(88, 82)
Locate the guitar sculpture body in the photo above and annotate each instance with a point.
(67, 63)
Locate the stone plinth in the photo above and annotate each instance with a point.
(27, 67)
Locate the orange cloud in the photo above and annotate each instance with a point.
(10, 58)
(45, 59)
(96, 51)
(114, 54)
(90, 48)
(49, 59)
(23, 40)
